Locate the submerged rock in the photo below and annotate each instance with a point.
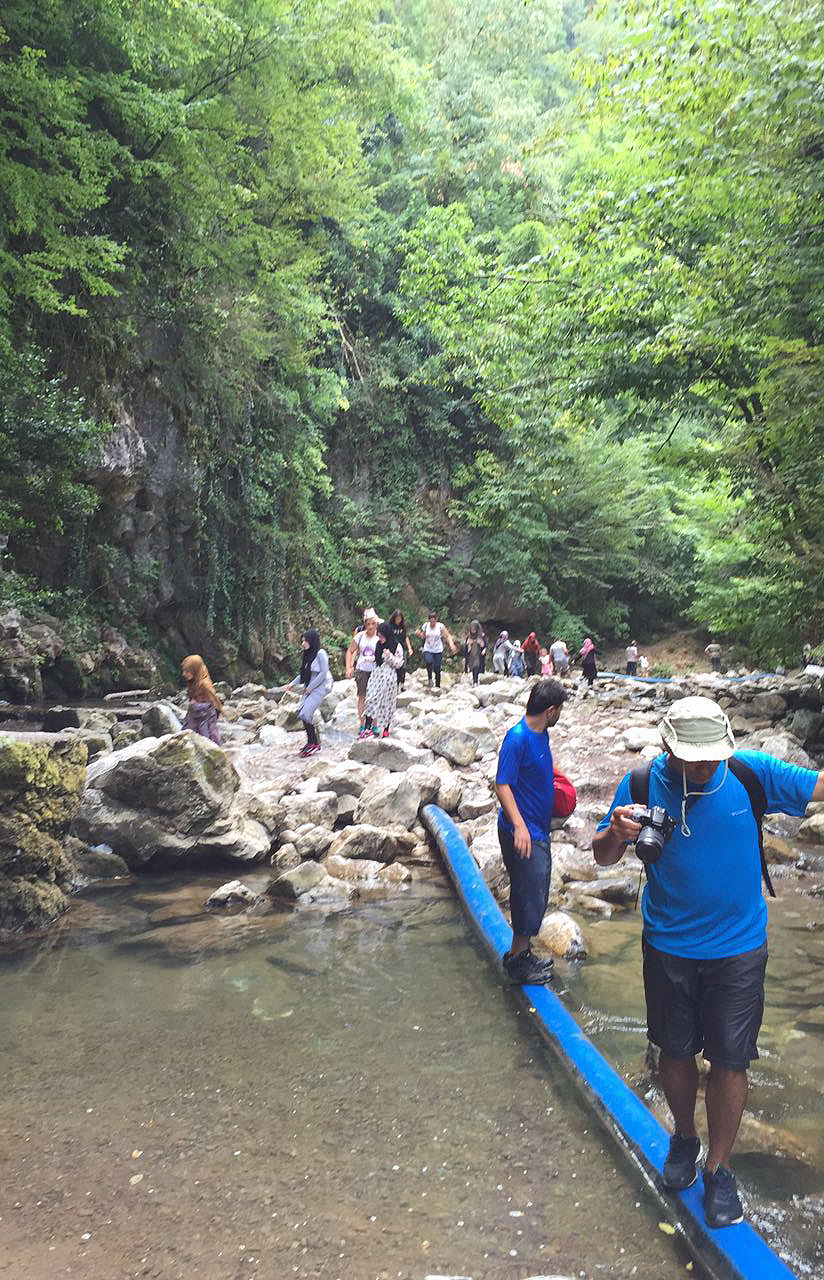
(232, 892)
(562, 936)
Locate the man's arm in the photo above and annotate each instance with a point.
(449, 639)
(609, 845)
(818, 789)
(523, 840)
(350, 653)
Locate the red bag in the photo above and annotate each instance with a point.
(566, 797)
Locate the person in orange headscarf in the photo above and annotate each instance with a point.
(204, 704)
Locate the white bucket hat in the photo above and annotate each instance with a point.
(697, 729)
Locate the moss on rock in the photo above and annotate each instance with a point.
(41, 784)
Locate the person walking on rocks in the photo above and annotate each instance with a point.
(531, 652)
(360, 657)
(713, 652)
(525, 786)
(400, 636)
(589, 667)
(547, 668)
(204, 704)
(631, 653)
(516, 660)
(316, 679)
(500, 653)
(433, 633)
(382, 689)
(475, 650)
(705, 923)
(560, 657)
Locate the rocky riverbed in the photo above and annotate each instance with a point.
(347, 822)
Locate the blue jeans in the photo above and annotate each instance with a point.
(433, 666)
(528, 882)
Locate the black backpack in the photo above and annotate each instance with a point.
(639, 792)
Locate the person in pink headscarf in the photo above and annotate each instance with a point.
(587, 654)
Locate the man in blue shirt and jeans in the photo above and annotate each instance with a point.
(705, 929)
(526, 788)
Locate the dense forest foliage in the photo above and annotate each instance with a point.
(497, 305)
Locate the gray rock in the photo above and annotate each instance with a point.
(159, 719)
(475, 802)
(364, 841)
(783, 747)
(812, 829)
(285, 858)
(450, 792)
(249, 691)
(486, 851)
(320, 808)
(232, 892)
(428, 781)
(769, 704)
(636, 738)
(390, 801)
(805, 725)
(347, 806)
(389, 753)
(300, 880)
(347, 778)
(312, 842)
(454, 744)
(621, 888)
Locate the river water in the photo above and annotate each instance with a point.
(351, 1095)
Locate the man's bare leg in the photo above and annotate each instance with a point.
(679, 1080)
(726, 1098)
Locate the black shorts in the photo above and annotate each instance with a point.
(712, 1007)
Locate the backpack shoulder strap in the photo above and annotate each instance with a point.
(758, 801)
(639, 783)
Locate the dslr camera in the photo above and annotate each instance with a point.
(656, 828)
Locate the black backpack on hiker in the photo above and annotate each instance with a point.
(639, 792)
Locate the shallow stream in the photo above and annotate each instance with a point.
(348, 1095)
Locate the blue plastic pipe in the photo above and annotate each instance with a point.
(731, 1253)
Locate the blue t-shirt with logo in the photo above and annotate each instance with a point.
(703, 896)
(525, 765)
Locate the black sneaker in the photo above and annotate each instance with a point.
(679, 1166)
(722, 1206)
(527, 968)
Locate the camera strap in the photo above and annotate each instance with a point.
(639, 793)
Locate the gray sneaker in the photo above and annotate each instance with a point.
(679, 1167)
(722, 1206)
(526, 968)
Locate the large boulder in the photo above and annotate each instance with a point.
(41, 782)
(393, 800)
(173, 798)
(448, 740)
(388, 753)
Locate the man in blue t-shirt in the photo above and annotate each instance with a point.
(525, 785)
(705, 929)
